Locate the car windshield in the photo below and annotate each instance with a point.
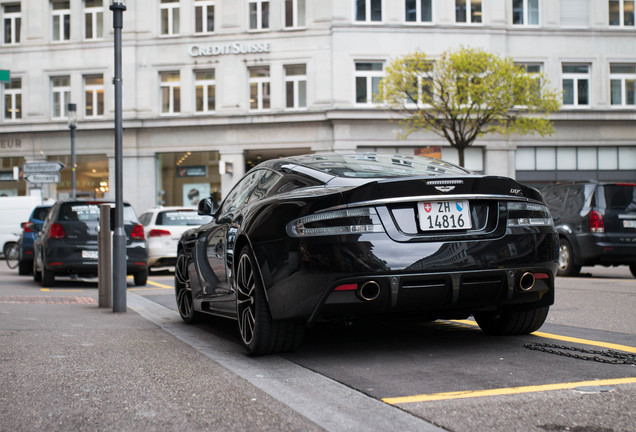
(89, 212)
(40, 213)
(366, 165)
(181, 217)
(621, 197)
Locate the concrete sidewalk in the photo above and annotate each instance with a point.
(67, 365)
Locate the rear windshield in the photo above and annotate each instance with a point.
(39, 213)
(380, 165)
(621, 197)
(181, 217)
(89, 212)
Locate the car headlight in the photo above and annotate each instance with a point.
(526, 215)
(346, 221)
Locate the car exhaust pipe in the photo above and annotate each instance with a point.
(526, 282)
(369, 291)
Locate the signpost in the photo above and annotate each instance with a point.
(42, 178)
(42, 167)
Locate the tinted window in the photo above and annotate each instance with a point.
(89, 212)
(40, 213)
(620, 197)
(181, 217)
(576, 199)
(380, 165)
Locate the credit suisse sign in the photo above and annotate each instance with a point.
(235, 48)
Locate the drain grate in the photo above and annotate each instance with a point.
(48, 300)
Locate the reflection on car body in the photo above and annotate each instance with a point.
(339, 236)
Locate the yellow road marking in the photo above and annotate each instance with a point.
(61, 290)
(506, 391)
(153, 283)
(570, 339)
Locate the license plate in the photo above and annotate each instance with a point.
(89, 254)
(444, 215)
(629, 224)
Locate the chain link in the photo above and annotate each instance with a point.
(608, 356)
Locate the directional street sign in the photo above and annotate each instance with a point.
(42, 178)
(41, 167)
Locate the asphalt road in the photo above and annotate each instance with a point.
(444, 375)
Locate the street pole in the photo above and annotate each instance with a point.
(119, 236)
(72, 125)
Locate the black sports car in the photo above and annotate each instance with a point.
(342, 236)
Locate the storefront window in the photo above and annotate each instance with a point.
(9, 186)
(186, 177)
(91, 176)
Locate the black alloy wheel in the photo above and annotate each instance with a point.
(260, 334)
(37, 274)
(566, 260)
(512, 322)
(185, 302)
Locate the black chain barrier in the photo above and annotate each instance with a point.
(608, 356)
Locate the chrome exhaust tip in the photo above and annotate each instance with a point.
(527, 280)
(368, 291)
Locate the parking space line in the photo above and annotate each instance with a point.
(506, 391)
(61, 290)
(149, 282)
(607, 345)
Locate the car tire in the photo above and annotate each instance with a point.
(37, 275)
(512, 322)
(25, 268)
(632, 268)
(141, 278)
(566, 260)
(48, 277)
(260, 334)
(185, 302)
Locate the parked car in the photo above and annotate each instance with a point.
(67, 243)
(13, 211)
(29, 232)
(596, 223)
(341, 236)
(163, 227)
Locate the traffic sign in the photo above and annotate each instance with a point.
(43, 178)
(41, 167)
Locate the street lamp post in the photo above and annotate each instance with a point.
(119, 236)
(72, 125)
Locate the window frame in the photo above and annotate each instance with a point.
(15, 24)
(296, 82)
(174, 93)
(262, 17)
(263, 89)
(525, 11)
(623, 78)
(204, 5)
(368, 12)
(576, 77)
(173, 25)
(469, 13)
(621, 14)
(418, 12)
(96, 14)
(64, 92)
(205, 85)
(369, 76)
(94, 90)
(61, 15)
(298, 18)
(15, 96)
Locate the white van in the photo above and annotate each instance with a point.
(13, 211)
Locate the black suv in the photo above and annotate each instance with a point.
(67, 243)
(596, 223)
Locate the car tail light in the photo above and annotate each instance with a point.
(158, 233)
(522, 214)
(137, 232)
(27, 227)
(346, 221)
(597, 225)
(57, 231)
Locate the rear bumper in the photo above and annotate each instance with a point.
(68, 260)
(605, 249)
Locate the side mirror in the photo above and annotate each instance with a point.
(206, 207)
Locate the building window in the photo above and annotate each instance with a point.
(259, 88)
(204, 16)
(13, 99)
(169, 17)
(294, 13)
(296, 86)
(576, 85)
(468, 11)
(525, 12)
(205, 91)
(259, 14)
(12, 20)
(170, 92)
(575, 158)
(94, 19)
(61, 20)
(368, 77)
(419, 11)
(623, 85)
(94, 95)
(61, 95)
(368, 10)
(621, 13)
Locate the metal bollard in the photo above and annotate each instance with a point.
(105, 260)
